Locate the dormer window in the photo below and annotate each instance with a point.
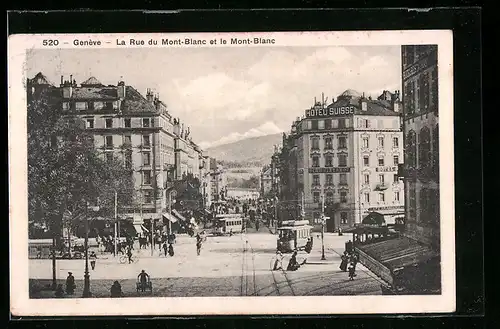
(146, 123)
(109, 123)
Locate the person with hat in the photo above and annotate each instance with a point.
(93, 259)
(70, 284)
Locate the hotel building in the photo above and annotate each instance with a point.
(347, 153)
(136, 129)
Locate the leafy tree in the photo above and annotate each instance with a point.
(65, 170)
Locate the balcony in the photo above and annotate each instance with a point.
(382, 186)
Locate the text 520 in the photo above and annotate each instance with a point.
(50, 42)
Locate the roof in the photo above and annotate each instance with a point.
(350, 93)
(97, 93)
(40, 79)
(373, 107)
(294, 228)
(135, 102)
(92, 81)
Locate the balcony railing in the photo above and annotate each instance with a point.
(382, 186)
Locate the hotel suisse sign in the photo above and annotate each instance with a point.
(329, 170)
(420, 65)
(329, 112)
(386, 169)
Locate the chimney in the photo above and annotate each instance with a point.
(176, 127)
(121, 90)
(149, 96)
(395, 106)
(62, 80)
(67, 88)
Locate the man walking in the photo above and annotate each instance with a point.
(93, 259)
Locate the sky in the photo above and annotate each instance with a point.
(228, 94)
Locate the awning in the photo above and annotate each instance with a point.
(178, 215)
(170, 217)
(139, 228)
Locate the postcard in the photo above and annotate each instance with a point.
(231, 173)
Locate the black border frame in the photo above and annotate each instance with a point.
(466, 26)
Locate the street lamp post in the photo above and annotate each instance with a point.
(323, 228)
(86, 281)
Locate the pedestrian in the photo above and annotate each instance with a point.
(165, 248)
(352, 271)
(129, 254)
(116, 290)
(70, 284)
(198, 244)
(278, 263)
(171, 250)
(343, 263)
(93, 258)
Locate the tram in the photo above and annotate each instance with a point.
(227, 223)
(294, 235)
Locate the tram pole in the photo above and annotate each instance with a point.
(323, 228)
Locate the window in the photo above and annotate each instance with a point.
(328, 161)
(329, 197)
(343, 218)
(315, 161)
(366, 160)
(109, 157)
(316, 197)
(435, 151)
(395, 142)
(328, 124)
(367, 197)
(424, 148)
(343, 179)
(316, 216)
(381, 179)
(109, 123)
(90, 123)
(90, 105)
(127, 122)
(146, 158)
(380, 161)
(381, 197)
(381, 142)
(411, 149)
(342, 160)
(396, 196)
(366, 178)
(342, 142)
(146, 177)
(366, 143)
(424, 95)
(81, 106)
(328, 143)
(108, 141)
(146, 141)
(128, 160)
(315, 143)
(148, 196)
(342, 123)
(315, 180)
(145, 122)
(343, 197)
(314, 124)
(366, 123)
(396, 178)
(329, 179)
(65, 106)
(98, 105)
(434, 89)
(321, 124)
(127, 140)
(395, 160)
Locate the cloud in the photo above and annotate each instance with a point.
(264, 129)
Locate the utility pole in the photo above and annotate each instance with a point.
(116, 223)
(155, 192)
(323, 227)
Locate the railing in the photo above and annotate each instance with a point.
(382, 186)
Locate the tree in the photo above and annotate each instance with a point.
(65, 170)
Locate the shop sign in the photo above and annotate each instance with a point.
(329, 170)
(386, 169)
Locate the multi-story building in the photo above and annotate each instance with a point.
(421, 129)
(218, 181)
(348, 154)
(265, 181)
(136, 129)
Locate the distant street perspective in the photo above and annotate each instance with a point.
(331, 193)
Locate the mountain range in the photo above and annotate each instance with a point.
(253, 152)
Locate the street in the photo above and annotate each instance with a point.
(239, 265)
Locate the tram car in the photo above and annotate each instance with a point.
(225, 224)
(294, 235)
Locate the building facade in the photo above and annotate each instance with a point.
(218, 181)
(347, 154)
(421, 129)
(139, 131)
(265, 181)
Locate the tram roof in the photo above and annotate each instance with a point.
(294, 228)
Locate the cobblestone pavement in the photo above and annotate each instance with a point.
(228, 266)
